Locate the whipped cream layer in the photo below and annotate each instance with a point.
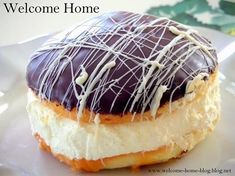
(94, 141)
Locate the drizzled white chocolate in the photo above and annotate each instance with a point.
(176, 31)
(128, 35)
(82, 78)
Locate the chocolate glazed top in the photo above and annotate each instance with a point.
(119, 62)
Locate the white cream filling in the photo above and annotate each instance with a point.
(96, 141)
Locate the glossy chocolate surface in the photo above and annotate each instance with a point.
(53, 79)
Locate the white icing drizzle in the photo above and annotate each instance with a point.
(154, 65)
(157, 72)
(97, 123)
(157, 64)
(156, 100)
(196, 82)
(92, 84)
(176, 31)
(82, 77)
(97, 119)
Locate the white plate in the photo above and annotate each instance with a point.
(19, 152)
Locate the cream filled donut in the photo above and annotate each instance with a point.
(123, 90)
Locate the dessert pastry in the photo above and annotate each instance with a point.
(123, 89)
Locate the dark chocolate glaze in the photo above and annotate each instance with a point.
(57, 86)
